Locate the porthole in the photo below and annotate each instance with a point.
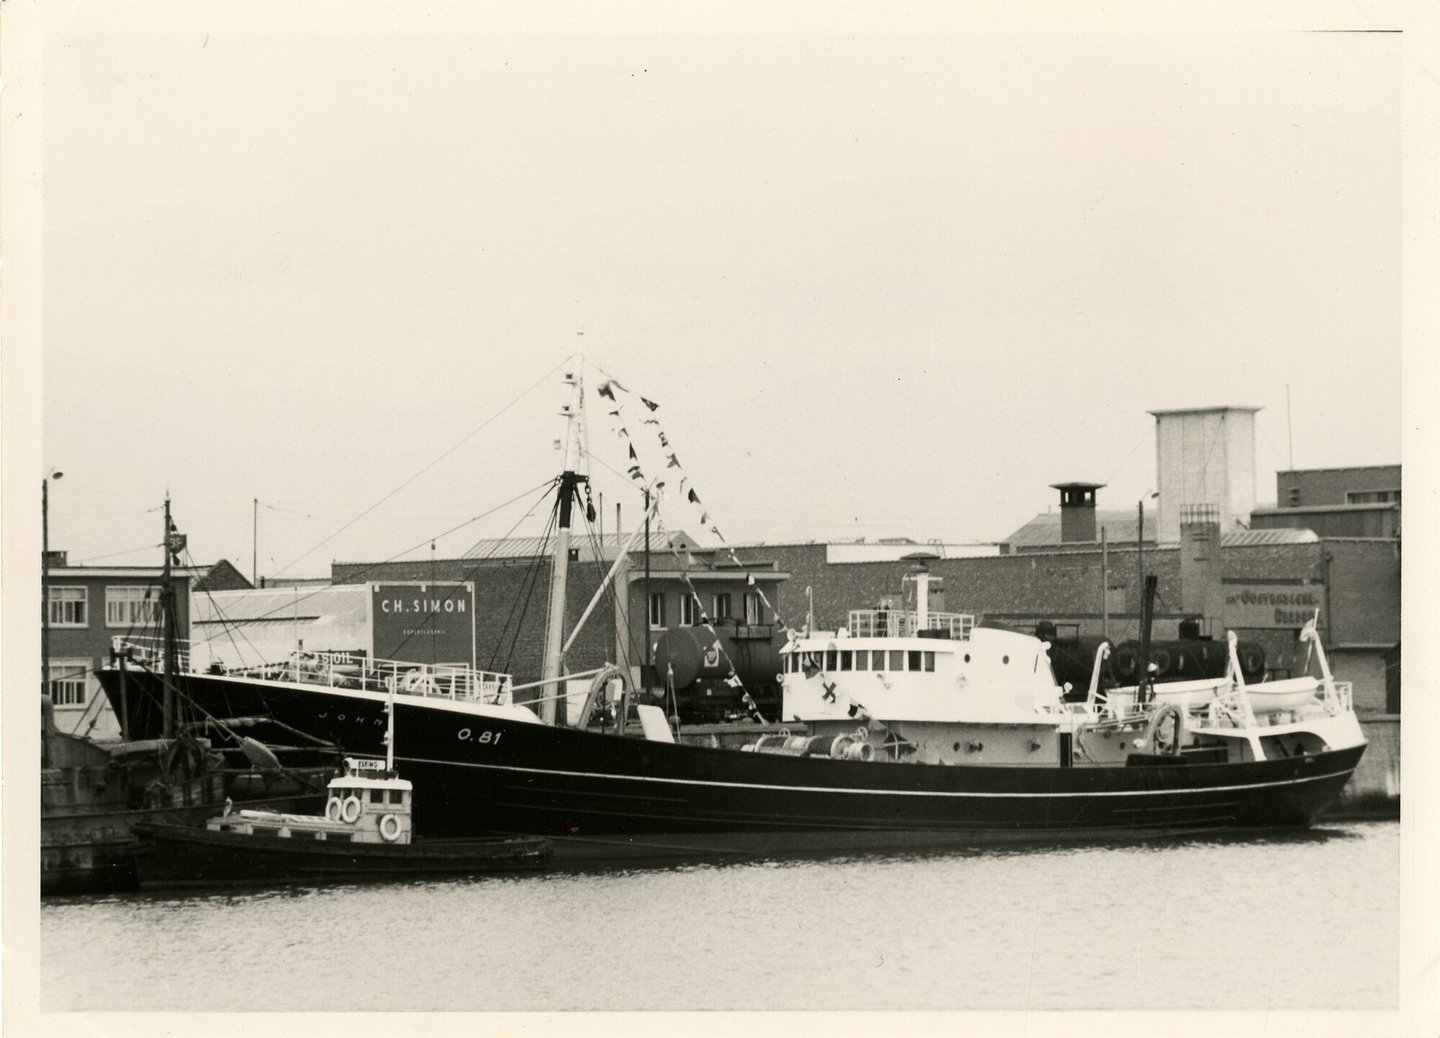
(957, 747)
(1004, 659)
(967, 660)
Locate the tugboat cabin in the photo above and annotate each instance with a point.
(367, 804)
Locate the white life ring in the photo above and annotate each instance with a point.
(333, 808)
(1152, 733)
(351, 815)
(390, 828)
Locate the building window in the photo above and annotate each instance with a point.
(722, 606)
(657, 610)
(1372, 497)
(754, 612)
(687, 610)
(68, 607)
(1294, 497)
(131, 607)
(70, 683)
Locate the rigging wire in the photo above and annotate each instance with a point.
(465, 439)
(364, 571)
(115, 554)
(479, 562)
(529, 580)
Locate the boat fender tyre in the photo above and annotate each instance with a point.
(351, 811)
(1162, 660)
(1159, 743)
(390, 828)
(333, 807)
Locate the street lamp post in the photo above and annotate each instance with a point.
(45, 579)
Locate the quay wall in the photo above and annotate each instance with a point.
(1374, 790)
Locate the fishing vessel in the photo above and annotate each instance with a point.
(912, 729)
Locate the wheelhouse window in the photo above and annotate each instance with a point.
(657, 610)
(722, 606)
(68, 606)
(131, 606)
(845, 663)
(754, 611)
(927, 661)
(897, 659)
(69, 683)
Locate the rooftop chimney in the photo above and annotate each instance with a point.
(1077, 511)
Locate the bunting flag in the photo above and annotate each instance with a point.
(635, 472)
(693, 497)
(704, 518)
(750, 579)
(663, 442)
(734, 681)
(633, 455)
(716, 531)
(615, 412)
(649, 403)
(673, 463)
(604, 390)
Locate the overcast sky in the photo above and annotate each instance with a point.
(879, 284)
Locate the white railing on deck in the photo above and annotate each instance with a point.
(341, 670)
(149, 651)
(900, 623)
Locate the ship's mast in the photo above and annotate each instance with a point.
(167, 615)
(555, 617)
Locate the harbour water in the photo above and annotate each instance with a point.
(1304, 921)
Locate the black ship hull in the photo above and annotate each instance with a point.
(607, 798)
(178, 856)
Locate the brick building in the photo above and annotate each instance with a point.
(90, 605)
(512, 579)
(1351, 502)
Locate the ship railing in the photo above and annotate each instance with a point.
(148, 651)
(901, 623)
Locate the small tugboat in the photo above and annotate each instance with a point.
(366, 833)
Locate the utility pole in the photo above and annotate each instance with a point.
(167, 613)
(648, 662)
(1104, 586)
(45, 580)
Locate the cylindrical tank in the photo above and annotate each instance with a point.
(690, 653)
(1187, 660)
(1183, 659)
(699, 668)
